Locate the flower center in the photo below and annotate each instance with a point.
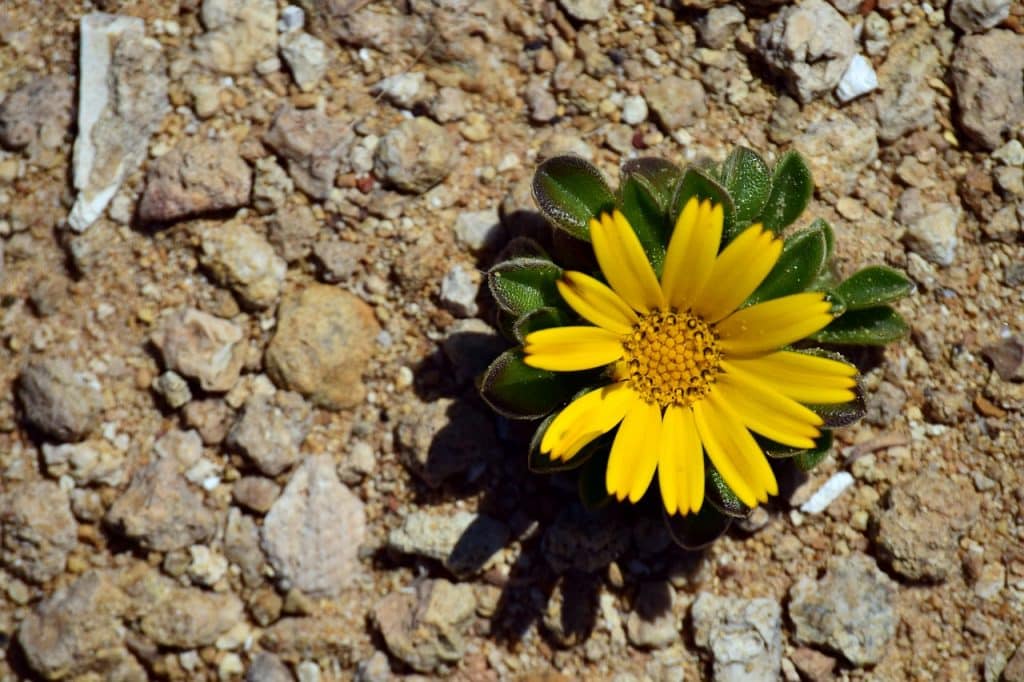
(672, 357)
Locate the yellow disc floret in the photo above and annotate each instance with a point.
(672, 357)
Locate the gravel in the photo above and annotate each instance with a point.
(744, 636)
(63, 404)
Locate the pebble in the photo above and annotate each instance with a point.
(718, 28)
(464, 542)
(989, 85)
(374, 669)
(542, 104)
(242, 547)
(240, 258)
(906, 101)
(255, 493)
(307, 671)
(837, 150)
(173, 388)
(850, 610)
(990, 581)
(203, 347)
(338, 260)
(270, 430)
(207, 567)
(239, 35)
(309, 638)
(827, 493)
(977, 16)
(271, 187)
(426, 627)
(267, 667)
(479, 231)
(402, 89)
(37, 115)
(37, 531)
(813, 665)
(1014, 670)
(634, 110)
(441, 439)
(1007, 358)
(810, 45)
(312, 145)
(653, 624)
(184, 617)
(122, 97)
(324, 340)
(744, 636)
(306, 57)
(676, 102)
(312, 533)
(195, 177)
(360, 463)
(292, 231)
(160, 510)
(1011, 153)
(449, 105)
(586, 10)
(858, 79)
(64, 405)
(415, 155)
(918, 531)
(459, 289)
(930, 228)
(88, 462)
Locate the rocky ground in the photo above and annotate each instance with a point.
(240, 316)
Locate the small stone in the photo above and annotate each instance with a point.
(255, 493)
(242, 547)
(160, 510)
(173, 388)
(271, 187)
(584, 541)
(186, 617)
(265, 606)
(931, 228)
(811, 45)
(402, 89)
(858, 79)
(744, 636)
(444, 438)
(270, 430)
(374, 669)
(1007, 358)
(676, 102)
(827, 493)
(991, 580)
(359, 464)
(207, 567)
(37, 531)
(309, 638)
(586, 10)
(293, 231)
(719, 27)
(88, 462)
(239, 34)
(338, 260)
(1011, 153)
(426, 629)
(37, 115)
(459, 289)
(989, 81)
(907, 101)
(462, 541)
(63, 404)
(239, 257)
(1014, 670)
(312, 145)
(322, 345)
(634, 110)
(976, 16)
(449, 105)
(193, 178)
(122, 97)
(307, 671)
(812, 665)
(652, 624)
(542, 104)
(306, 58)
(838, 150)
(312, 533)
(203, 347)
(479, 230)
(415, 155)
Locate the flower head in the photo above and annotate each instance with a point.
(691, 370)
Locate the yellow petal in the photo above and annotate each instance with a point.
(676, 277)
(712, 426)
(591, 414)
(738, 271)
(768, 412)
(772, 324)
(680, 462)
(624, 263)
(750, 455)
(802, 377)
(597, 303)
(570, 349)
(694, 254)
(628, 448)
(646, 458)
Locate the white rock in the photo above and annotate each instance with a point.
(293, 18)
(827, 493)
(1011, 153)
(858, 79)
(459, 288)
(634, 110)
(401, 89)
(122, 96)
(306, 57)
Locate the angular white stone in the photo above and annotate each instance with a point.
(827, 493)
(858, 79)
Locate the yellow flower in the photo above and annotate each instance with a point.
(691, 371)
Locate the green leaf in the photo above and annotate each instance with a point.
(874, 286)
(695, 531)
(746, 177)
(808, 459)
(719, 494)
(516, 390)
(646, 218)
(803, 256)
(699, 183)
(541, 318)
(522, 285)
(569, 191)
(792, 187)
(842, 414)
(658, 176)
(592, 489)
(868, 327)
